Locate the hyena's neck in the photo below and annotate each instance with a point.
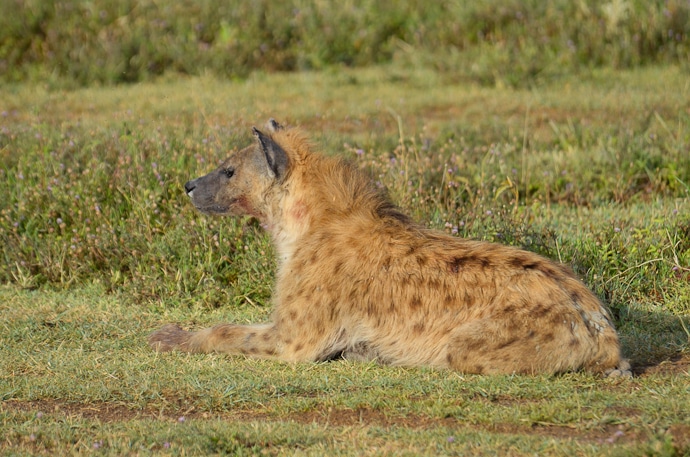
(329, 194)
(288, 226)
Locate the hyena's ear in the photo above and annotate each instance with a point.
(276, 157)
(274, 126)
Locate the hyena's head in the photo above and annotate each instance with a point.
(240, 184)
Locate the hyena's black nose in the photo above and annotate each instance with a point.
(189, 186)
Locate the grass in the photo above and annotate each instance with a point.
(503, 42)
(100, 247)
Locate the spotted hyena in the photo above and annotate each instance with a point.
(358, 279)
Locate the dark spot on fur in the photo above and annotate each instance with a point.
(298, 347)
(474, 345)
(548, 336)
(507, 343)
(266, 337)
(540, 311)
(478, 369)
(559, 319)
(517, 262)
(574, 342)
(456, 264)
(448, 300)
(354, 295)
(551, 272)
(449, 359)
(387, 210)
(418, 328)
(292, 315)
(422, 260)
(386, 265)
(416, 302)
(531, 264)
(575, 296)
(411, 250)
(337, 268)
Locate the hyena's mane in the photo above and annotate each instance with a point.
(337, 184)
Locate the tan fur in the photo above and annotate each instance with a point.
(357, 278)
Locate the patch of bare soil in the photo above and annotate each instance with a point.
(363, 417)
(677, 365)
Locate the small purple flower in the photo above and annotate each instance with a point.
(489, 212)
(454, 230)
(181, 419)
(59, 220)
(359, 152)
(617, 229)
(451, 439)
(32, 437)
(39, 415)
(98, 444)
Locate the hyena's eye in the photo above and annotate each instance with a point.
(229, 172)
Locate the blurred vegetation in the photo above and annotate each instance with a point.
(511, 42)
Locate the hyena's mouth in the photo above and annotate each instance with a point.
(215, 209)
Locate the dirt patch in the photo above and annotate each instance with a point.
(680, 436)
(678, 365)
(362, 417)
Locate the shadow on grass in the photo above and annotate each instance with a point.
(651, 339)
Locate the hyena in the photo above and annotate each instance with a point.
(358, 279)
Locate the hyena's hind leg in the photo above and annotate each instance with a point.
(255, 340)
(490, 346)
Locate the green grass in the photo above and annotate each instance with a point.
(100, 247)
(497, 42)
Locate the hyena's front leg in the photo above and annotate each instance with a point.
(256, 340)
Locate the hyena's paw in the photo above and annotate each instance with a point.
(170, 337)
(623, 371)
